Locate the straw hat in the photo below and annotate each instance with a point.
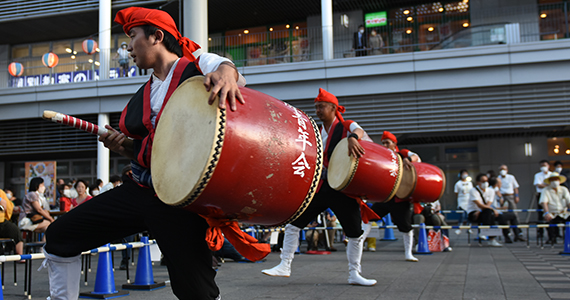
(562, 178)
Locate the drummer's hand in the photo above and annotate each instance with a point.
(224, 82)
(114, 141)
(407, 164)
(354, 148)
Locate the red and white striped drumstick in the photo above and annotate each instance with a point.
(73, 122)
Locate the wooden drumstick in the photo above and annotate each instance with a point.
(73, 122)
(80, 124)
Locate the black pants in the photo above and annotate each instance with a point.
(553, 232)
(509, 217)
(400, 212)
(129, 209)
(486, 217)
(346, 209)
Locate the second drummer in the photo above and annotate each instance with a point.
(345, 208)
(400, 210)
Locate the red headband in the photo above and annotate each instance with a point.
(138, 16)
(387, 135)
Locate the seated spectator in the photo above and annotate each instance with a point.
(429, 214)
(36, 208)
(65, 201)
(114, 181)
(82, 196)
(559, 168)
(7, 228)
(505, 217)
(312, 235)
(480, 206)
(17, 205)
(555, 200)
(331, 222)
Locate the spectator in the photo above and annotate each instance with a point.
(331, 222)
(540, 185)
(123, 56)
(555, 201)
(65, 201)
(559, 168)
(505, 217)
(36, 208)
(228, 251)
(429, 214)
(480, 206)
(17, 205)
(95, 189)
(360, 42)
(7, 228)
(461, 189)
(509, 187)
(376, 43)
(114, 181)
(313, 235)
(82, 196)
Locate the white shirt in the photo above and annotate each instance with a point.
(539, 178)
(557, 200)
(107, 187)
(353, 127)
(508, 184)
(123, 53)
(474, 195)
(208, 63)
(462, 189)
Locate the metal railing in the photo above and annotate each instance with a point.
(400, 34)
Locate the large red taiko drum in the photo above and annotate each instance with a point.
(375, 176)
(430, 183)
(260, 164)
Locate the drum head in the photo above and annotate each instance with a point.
(341, 166)
(185, 142)
(408, 182)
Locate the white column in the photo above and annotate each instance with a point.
(103, 155)
(327, 24)
(104, 38)
(195, 22)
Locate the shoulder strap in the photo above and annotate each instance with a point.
(481, 193)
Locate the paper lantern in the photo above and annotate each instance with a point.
(16, 69)
(50, 59)
(89, 46)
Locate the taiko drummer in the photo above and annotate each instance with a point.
(132, 207)
(400, 210)
(345, 208)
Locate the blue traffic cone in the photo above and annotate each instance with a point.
(423, 247)
(105, 280)
(144, 279)
(566, 240)
(301, 239)
(388, 232)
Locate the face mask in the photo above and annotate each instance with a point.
(503, 172)
(67, 193)
(544, 169)
(555, 184)
(558, 170)
(373, 33)
(484, 185)
(95, 192)
(463, 176)
(9, 195)
(361, 30)
(41, 189)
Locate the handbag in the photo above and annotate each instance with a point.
(36, 218)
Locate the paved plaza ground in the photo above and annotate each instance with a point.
(470, 271)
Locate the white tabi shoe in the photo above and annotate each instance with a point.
(355, 278)
(290, 244)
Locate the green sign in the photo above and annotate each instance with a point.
(376, 19)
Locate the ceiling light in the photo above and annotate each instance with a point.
(430, 29)
(465, 24)
(543, 16)
(271, 29)
(287, 26)
(410, 19)
(68, 50)
(406, 12)
(408, 31)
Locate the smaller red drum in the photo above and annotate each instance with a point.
(375, 176)
(408, 182)
(430, 183)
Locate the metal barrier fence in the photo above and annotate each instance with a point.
(425, 27)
